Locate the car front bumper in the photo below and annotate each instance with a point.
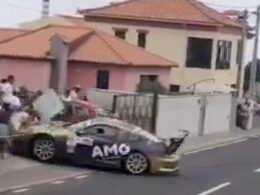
(166, 164)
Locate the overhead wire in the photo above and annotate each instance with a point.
(24, 7)
(19, 6)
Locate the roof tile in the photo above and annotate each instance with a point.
(86, 44)
(8, 33)
(175, 11)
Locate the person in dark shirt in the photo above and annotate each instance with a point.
(5, 116)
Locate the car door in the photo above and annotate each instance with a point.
(97, 145)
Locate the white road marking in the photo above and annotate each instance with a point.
(81, 176)
(211, 190)
(21, 190)
(257, 171)
(44, 181)
(218, 146)
(57, 182)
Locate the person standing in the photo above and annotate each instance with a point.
(75, 92)
(3, 81)
(8, 87)
(5, 115)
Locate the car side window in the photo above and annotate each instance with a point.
(101, 131)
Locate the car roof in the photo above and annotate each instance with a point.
(106, 121)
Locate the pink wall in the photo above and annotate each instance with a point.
(34, 74)
(85, 75)
(121, 78)
(133, 76)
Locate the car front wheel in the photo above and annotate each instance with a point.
(136, 163)
(44, 149)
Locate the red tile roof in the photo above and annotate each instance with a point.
(7, 33)
(171, 11)
(85, 44)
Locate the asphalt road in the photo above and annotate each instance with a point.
(232, 169)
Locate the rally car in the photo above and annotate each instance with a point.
(101, 142)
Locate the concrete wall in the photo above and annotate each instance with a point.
(183, 112)
(172, 44)
(104, 98)
(177, 113)
(86, 75)
(121, 78)
(34, 74)
(218, 113)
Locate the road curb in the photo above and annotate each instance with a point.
(219, 143)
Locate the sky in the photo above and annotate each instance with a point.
(13, 12)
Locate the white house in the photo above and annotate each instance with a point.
(204, 42)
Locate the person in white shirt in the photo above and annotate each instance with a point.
(3, 81)
(66, 97)
(8, 87)
(13, 100)
(74, 93)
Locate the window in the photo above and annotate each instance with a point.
(151, 78)
(142, 39)
(224, 49)
(100, 130)
(121, 33)
(102, 79)
(174, 88)
(199, 53)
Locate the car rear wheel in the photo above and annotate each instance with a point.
(44, 149)
(136, 163)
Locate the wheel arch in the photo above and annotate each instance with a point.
(137, 151)
(35, 137)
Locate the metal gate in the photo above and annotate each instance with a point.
(138, 109)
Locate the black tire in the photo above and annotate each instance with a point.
(136, 163)
(43, 149)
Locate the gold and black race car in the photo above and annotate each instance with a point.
(101, 142)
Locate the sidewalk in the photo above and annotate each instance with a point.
(198, 143)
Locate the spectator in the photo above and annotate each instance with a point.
(3, 81)
(74, 93)
(13, 100)
(5, 115)
(8, 87)
(66, 97)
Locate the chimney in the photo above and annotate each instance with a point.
(45, 8)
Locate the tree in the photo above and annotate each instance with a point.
(247, 75)
(147, 86)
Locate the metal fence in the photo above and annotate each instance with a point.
(138, 109)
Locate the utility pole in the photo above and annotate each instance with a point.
(253, 71)
(254, 61)
(240, 73)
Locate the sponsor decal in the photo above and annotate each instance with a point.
(84, 141)
(110, 150)
(72, 142)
